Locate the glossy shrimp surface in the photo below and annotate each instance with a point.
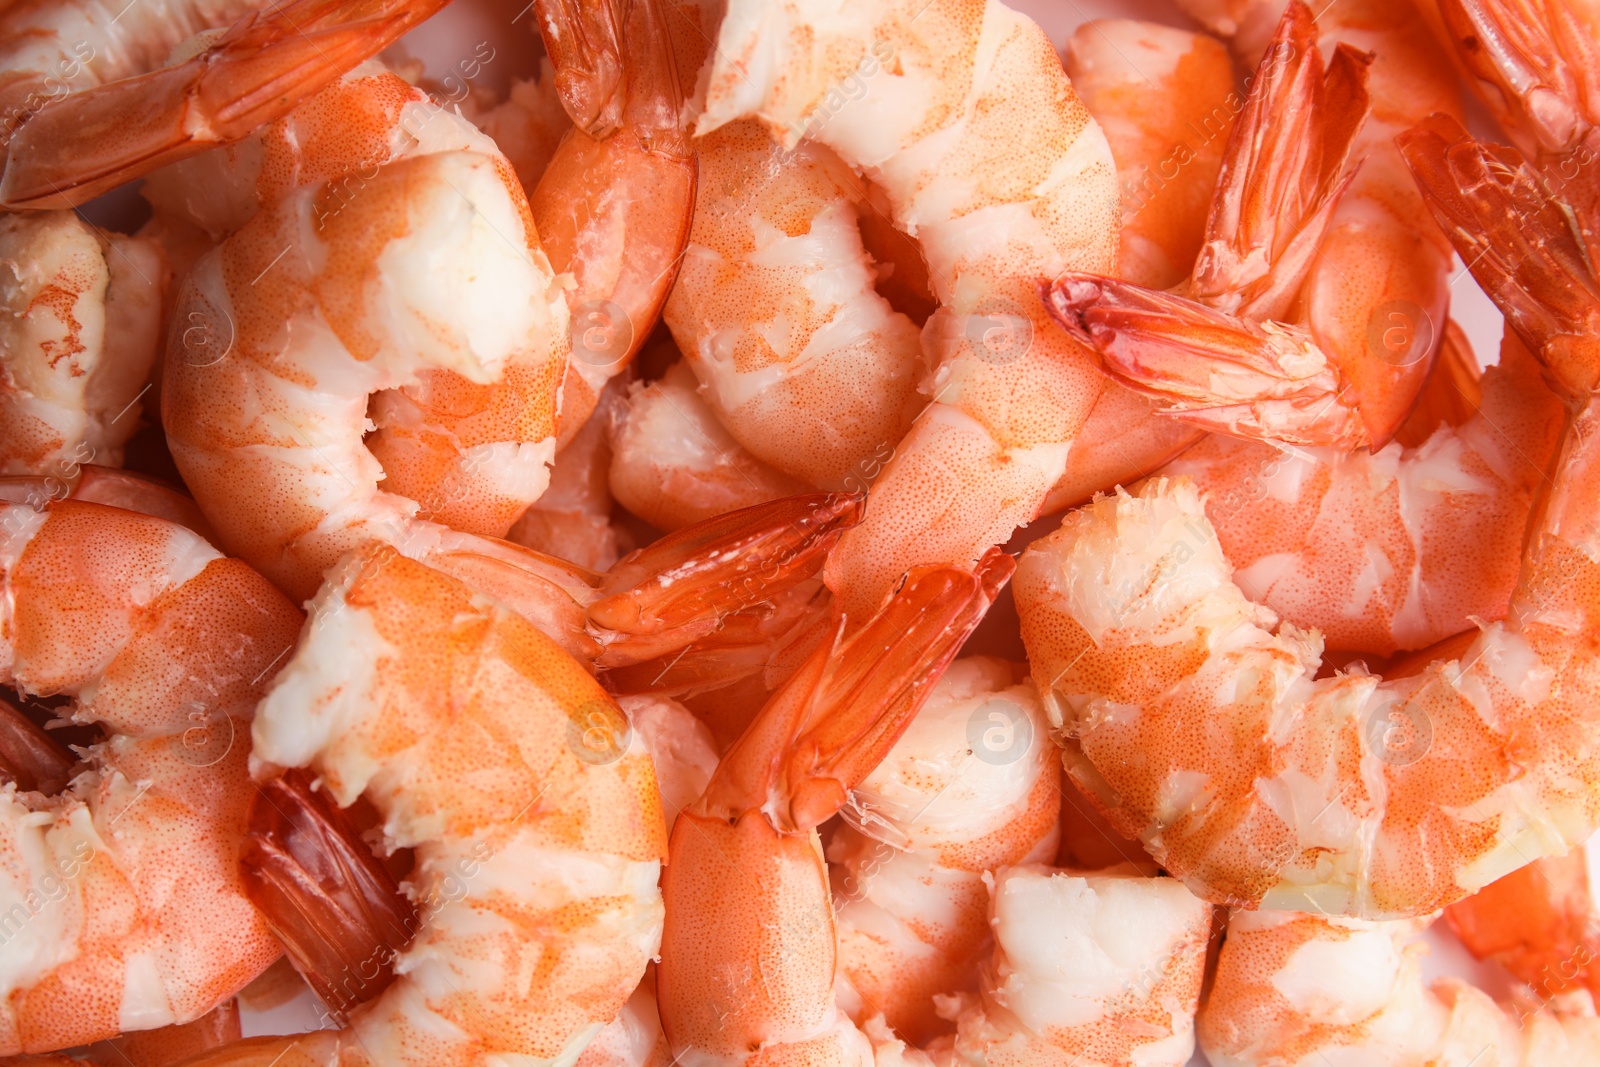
(536, 863)
(125, 909)
(966, 122)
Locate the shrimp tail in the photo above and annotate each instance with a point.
(30, 757)
(1283, 172)
(844, 708)
(337, 909)
(87, 143)
(1215, 357)
(602, 82)
(1536, 60)
(1525, 247)
(685, 587)
(1227, 374)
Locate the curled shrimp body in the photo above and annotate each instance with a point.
(748, 958)
(123, 904)
(1302, 990)
(1314, 313)
(1098, 970)
(75, 145)
(1393, 549)
(79, 334)
(803, 360)
(325, 294)
(674, 463)
(1352, 794)
(970, 787)
(536, 862)
(959, 111)
(1155, 92)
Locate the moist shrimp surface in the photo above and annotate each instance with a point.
(125, 906)
(959, 111)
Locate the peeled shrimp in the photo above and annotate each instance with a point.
(79, 332)
(673, 463)
(337, 215)
(775, 310)
(970, 787)
(1394, 549)
(1155, 92)
(1088, 969)
(75, 145)
(1540, 923)
(1310, 990)
(571, 520)
(1312, 317)
(120, 896)
(959, 111)
(748, 955)
(1389, 796)
(536, 858)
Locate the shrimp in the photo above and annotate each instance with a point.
(121, 899)
(116, 488)
(70, 137)
(1538, 922)
(959, 111)
(1088, 969)
(673, 463)
(613, 206)
(1333, 342)
(150, 1048)
(1393, 549)
(571, 520)
(79, 334)
(1391, 796)
(972, 786)
(1154, 90)
(748, 953)
(1295, 990)
(777, 313)
(536, 855)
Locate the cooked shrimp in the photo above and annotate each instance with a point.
(77, 140)
(748, 955)
(116, 488)
(1155, 92)
(1311, 317)
(149, 1048)
(802, 359)
(959, 111)
(1310, 990)
(1540, 922)
(1391, 796)
(613, 206)
(673, 463)
(571, 520)
(971, 786)
(536, 854)
(1098, 970)
(337, 214)
(1394, 549)
(121, 899)
(80, 319)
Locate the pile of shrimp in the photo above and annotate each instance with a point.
(618, 533)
